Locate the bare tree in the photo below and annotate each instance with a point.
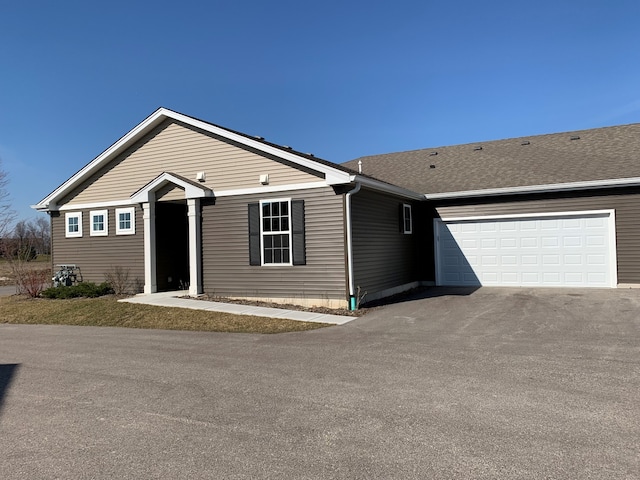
(42, 233)
(7, 214)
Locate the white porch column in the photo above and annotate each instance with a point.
(195, 246)
(149, 217)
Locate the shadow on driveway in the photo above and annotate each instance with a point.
(7, 372)
(422, 293)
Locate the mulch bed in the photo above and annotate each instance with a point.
(256, 303)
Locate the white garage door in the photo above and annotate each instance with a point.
(546, 250)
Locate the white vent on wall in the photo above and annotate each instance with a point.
(201, 176)
(264, 179)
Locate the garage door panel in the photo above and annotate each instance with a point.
(572, 250)
(594, 277)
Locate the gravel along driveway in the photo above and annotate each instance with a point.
(493, 383)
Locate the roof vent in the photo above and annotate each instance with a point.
(432, 166)
(575, 137)
(359, 166)
(475, 149)
(526, 142)
(433, 154)
(258, 137)
(311, 154)
(287, 147)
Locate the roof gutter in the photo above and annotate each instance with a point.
(554, 187)
(351, 279)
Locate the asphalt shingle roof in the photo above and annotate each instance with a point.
(584, 155)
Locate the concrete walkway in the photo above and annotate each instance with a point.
(170, 299)
(7, 291)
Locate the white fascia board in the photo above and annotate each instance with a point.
(553, 187)
(333, 176)
(40, 207)
(386, 187)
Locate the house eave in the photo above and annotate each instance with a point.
(532, 189)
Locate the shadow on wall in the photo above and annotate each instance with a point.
(7, 372)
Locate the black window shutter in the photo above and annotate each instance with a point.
(254, 234)
(401, 217)
(297, 233)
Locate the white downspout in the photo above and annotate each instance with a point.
(352, 298)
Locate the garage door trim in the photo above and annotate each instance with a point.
(438, 223)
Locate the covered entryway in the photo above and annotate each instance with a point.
(168, 227)
(546, 250)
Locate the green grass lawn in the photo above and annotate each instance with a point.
(108, 312)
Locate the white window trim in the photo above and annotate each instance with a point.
(262, 234)
(67, 216)
(99, 233)
(126, 231)
(404, 219)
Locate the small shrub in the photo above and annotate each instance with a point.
(30, 280)
(118, 278)
(84, 289)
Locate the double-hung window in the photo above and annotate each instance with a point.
(125, 221)
(73, 224)
(99, 223)
(276, 232)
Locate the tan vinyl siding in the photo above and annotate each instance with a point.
(225, 244)
(169, 192)
(383, 256)
(175, 147)
(626, 204)
(97, 255)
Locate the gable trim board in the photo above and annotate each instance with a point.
(219, 193)
(550, 249)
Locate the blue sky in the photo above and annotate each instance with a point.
(340, 79)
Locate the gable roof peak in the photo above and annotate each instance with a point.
(333, 173)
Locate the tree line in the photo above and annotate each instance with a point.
(25, 239)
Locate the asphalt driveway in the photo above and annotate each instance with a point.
(494, 383)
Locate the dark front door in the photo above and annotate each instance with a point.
(172, 246)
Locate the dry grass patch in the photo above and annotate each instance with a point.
(108, 312)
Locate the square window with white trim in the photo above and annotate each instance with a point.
(125, 221)
(73, 224)
(99, 223)
(276, 232)
(407, 219)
